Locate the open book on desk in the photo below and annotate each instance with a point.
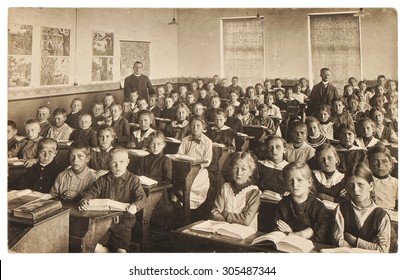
(271, 196)
(180, 157)
(37, 209)
(146, 181)
(138, 152)
(14, 161)
(17, 198)
(224, 228)
(173, 140)
(105, 204)
(290, 243)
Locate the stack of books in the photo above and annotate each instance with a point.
(32, 205)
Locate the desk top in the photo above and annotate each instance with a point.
(94, 215)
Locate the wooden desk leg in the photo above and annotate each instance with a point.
(86, 241)
(148, 209)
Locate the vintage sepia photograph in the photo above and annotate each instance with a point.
(202, 130)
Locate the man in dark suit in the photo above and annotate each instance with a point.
(138, 82)
(322, 93)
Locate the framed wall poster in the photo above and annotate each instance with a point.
(103, 43)
(102, 68)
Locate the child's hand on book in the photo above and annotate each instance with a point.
(83, 205)
(132, 209)
(30, 162)
(69, 195)
(284, 227)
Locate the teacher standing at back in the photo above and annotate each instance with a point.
(138, 82)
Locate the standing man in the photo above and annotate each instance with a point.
(138, 82)
(322, 93)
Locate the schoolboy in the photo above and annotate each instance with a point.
(169, 111)
(71, 182)
(26, 149)
(120, 185)
(203, 98)
(42, 116)
(127, 112)
(72, 118)
(234, 87)
(214, 105)
(61, 130)
(221, 133)
(98, 115)
(190, 101)
(85, 132)
(153, 107)
(298, 149)
(108, 101)
(42, 175)
(11, 135)
(161, 96)
(120, 125)
(133, 97)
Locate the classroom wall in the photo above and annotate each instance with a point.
(127, 24)
(286, 41)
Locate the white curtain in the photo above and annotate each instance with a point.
(335, 43)
(243, 50)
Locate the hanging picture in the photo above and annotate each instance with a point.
(19, 71)
(102, 69)
(19, 39)
(55, 41)
(103, 43)
(54, 71)
(132, 51)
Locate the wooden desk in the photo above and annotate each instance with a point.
(183, 175)
(87, 227)
(186, 240)
(49, 234)
(154, 194)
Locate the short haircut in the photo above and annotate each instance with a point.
(76, 99)
(337, 99)
(275, 137)
(302, 79)
(312, 119)
(146, 113)
(47, 141)
(43, 107)
(351, 78)
(381, 76)
(12, 124)
(234, 77)
(343, 127)
(80, 145)
(244, 102)
(324, 69)
(106, 127)
(362, 83)
(262, 106)
(153, 95)
(197, 118)
(116, 105)
(220, 112)
(297, 124)
(59, 111)
(120, 149)
(243, 157)
(108, 94)
(278, 79)
(352, 97)
(279, 90)
(190, 93)
(137, 62)
(33, 121)
(325, 108)
(126, 100)
(85, 115)
(141, 99)
(270, 94)
(257, 85)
